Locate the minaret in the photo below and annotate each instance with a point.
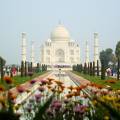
(23, 54)
(86, 52)
(32, 52)
(96, 48)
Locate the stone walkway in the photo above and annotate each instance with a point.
(23, 96)
(78, 78)
(67, 78)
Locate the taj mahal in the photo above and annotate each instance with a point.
(60, 50)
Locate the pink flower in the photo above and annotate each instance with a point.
(20, 89)
(41, 89)
(43, 82)
(38, 96)
(79, 108)
(32, 81)
(56, 105)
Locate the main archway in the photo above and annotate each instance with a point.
(60, 56)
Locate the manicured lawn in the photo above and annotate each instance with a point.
(19, 80)
(97, 79)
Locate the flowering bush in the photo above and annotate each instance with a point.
(32, 81)
(8, 80)
(2, 88)
(20, 89)
(111, 81)
(49, 99)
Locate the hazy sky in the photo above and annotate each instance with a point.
(39, 17)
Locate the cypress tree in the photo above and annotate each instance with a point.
(88, 68)
(73, 68)
(22, 68)
(25, 68)
(85, 68)
(117, 53)
(97, 68)
(1, 68)
(45, 67)
(118, 69)
(31, 66)
(102, 70)
(81, 68)
(42, 67)
(93, 68)
(77, 67)
(38, 65)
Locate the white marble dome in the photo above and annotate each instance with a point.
(60, 33)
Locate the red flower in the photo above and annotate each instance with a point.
(20, 89)
(111, 81)
(32, 81)
(8, 80)
(58, 82)
(69, 95)
(43, 82)
(50, 79)
(41, 89)
(12, 95)
(1, 88)
(49, 87)
(76, 94)
(70, 87)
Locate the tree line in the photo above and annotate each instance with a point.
(27, 68)
(108, 59)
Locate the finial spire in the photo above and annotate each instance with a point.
(23, 54)
(96, 48)
(87, 52)
(32, 52)
(59, 22)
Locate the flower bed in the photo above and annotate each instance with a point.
(49, 99)
(111, 81)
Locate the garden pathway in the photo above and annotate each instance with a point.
(68, 79)
(78, 78)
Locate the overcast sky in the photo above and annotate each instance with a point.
(39, 17)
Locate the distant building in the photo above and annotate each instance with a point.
(60, 50)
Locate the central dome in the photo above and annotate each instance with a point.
(60, 33)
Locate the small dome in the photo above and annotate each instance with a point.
(48, 40)
(60, 33)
